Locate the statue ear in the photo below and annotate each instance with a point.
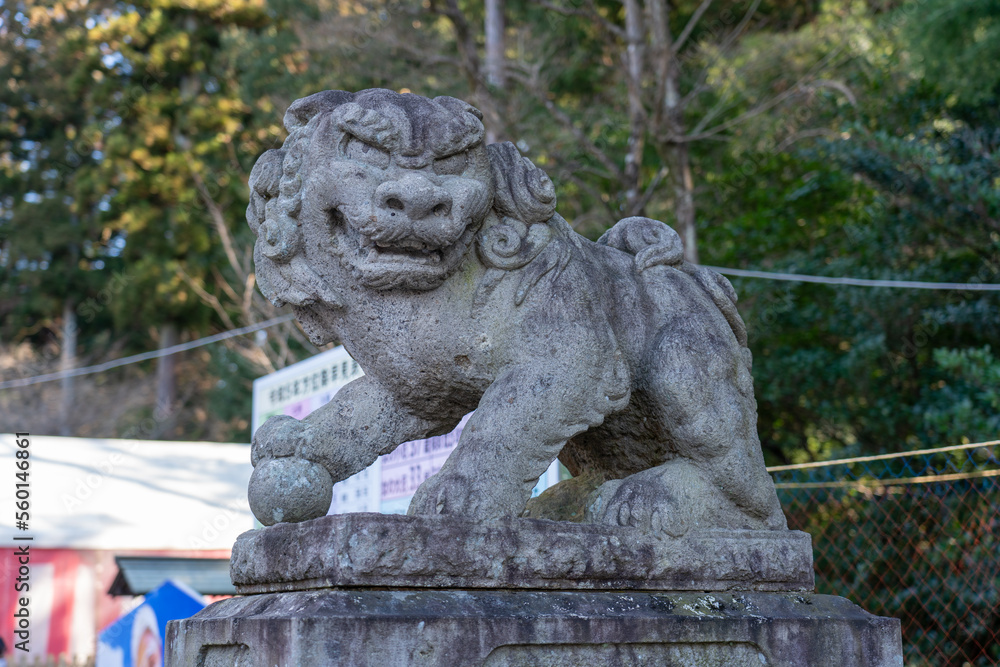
(302, 111)
(264, 181)
(275, 177)
(523, 191)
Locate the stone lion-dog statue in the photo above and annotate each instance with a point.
(441, 265)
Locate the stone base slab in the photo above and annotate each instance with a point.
(451, 628)
(373, 550)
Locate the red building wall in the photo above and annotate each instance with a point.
(68, 598)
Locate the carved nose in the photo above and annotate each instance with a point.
(415, 196)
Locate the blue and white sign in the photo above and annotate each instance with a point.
(136, 639)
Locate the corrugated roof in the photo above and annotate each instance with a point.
(138, 575)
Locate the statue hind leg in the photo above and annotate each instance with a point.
(717, 479)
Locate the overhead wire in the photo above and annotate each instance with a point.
(856, 282)
(879, 483)
(742, 273)
(882, 457)
(144, 356)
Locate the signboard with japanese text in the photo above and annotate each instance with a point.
(387, 485)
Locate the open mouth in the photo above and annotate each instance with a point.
(413, 252)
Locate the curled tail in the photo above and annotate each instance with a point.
(655, 244)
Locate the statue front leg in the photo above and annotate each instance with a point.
(519, 428)
(296, 463)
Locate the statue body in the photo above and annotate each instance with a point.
(441, 265)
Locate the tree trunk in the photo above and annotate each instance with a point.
(495, 74)
(682, 187)
(634, 34)
(165, 368)
(672, 145)
(465, 40)
(67, 361)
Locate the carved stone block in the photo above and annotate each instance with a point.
(452, 628)
(368, 550)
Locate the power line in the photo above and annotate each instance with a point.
(882, 457)
(880, 483)
(857, 282)
(145, 356)
(742, 273)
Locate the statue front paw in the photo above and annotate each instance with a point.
(644, 501)
(670, 499)
(460, 494)
(285, 486)
(279, 436)
(444, 493)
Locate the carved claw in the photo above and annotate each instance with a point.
(449, 492)
(659, 255)
(280, 436)
(643, 504)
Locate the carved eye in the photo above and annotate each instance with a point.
(452, 165)
(355, 149)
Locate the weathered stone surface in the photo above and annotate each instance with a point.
(442, 266)
(539, 628)
(364, 550)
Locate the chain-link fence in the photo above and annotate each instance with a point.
(913, 535)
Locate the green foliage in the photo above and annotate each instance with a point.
(899, 185)
(52, 249)
(966, 401)
(957, 44)
(127, 131)
(168, 117)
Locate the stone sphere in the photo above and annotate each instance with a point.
(289, 489)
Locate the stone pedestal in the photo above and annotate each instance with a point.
(358, 590)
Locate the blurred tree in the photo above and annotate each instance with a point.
(612, 95)
(55, 255)
(903, 185)
(817, 138)
(126, 145)
(957, 45)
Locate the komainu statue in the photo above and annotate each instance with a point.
(440, 263)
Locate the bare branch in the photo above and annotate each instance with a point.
(218, 219)
(723, 49)
(248, 292)
(591, 15)
(580, 136)
(563, 118)
(803, 134)
(210, 299)
(633, 61)
(425, 58)
(224, 284)
(643, 202)
(797, 88)
(839, 86)
(594, 193)
(692, 22)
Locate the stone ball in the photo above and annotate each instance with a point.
(289, 489)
